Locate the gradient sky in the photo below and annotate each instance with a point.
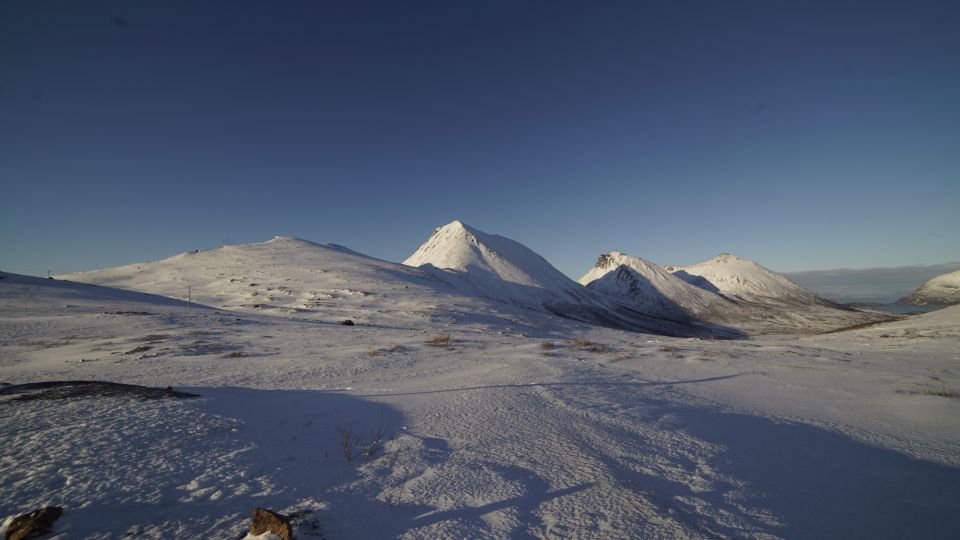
(805, 135)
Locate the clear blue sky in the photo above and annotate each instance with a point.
(804, 135)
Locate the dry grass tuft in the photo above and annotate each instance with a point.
(391, 349)
(587, 345)
(670, 352)
(943, 391)
(441, 340)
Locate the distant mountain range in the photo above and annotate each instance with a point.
(461, 272)
(726, 290)
(869, 285)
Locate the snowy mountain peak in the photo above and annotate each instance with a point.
(611, 261)
(647, 285)
(459, 247)
(737, 277)
(288, 241)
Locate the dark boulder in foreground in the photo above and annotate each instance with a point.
(35, 523)
(347, 322)
(268, 521)
(83, 389)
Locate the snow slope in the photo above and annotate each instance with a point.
(743, 279)
(844, 435)
(64, 296)
(300, 279)
(941, 290)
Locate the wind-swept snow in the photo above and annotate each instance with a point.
(498, 435)
(942, 290)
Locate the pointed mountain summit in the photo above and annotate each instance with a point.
(497, 266)
(943, 290)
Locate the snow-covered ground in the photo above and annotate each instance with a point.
(524, 425)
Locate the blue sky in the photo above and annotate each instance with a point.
(804, 135)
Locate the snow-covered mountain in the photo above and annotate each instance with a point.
(648, 285)
(490, 277)
(291, 277)
(507, 271)
(742, 279)
(725, 290)
(497, 267)
(941, 290)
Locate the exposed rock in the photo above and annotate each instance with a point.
(34, 524)
(267, 521)
(87, 389)
(347, 322)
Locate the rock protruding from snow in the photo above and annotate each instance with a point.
(266, 523)
(36, 523)
(943, 290)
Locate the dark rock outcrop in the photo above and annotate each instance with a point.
(35, 523)
(268, 521)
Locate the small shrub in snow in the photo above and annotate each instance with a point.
(349, 442)
(670, 352)
(442, 340)
(587, 345)
(943, 391)
(377, 440)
